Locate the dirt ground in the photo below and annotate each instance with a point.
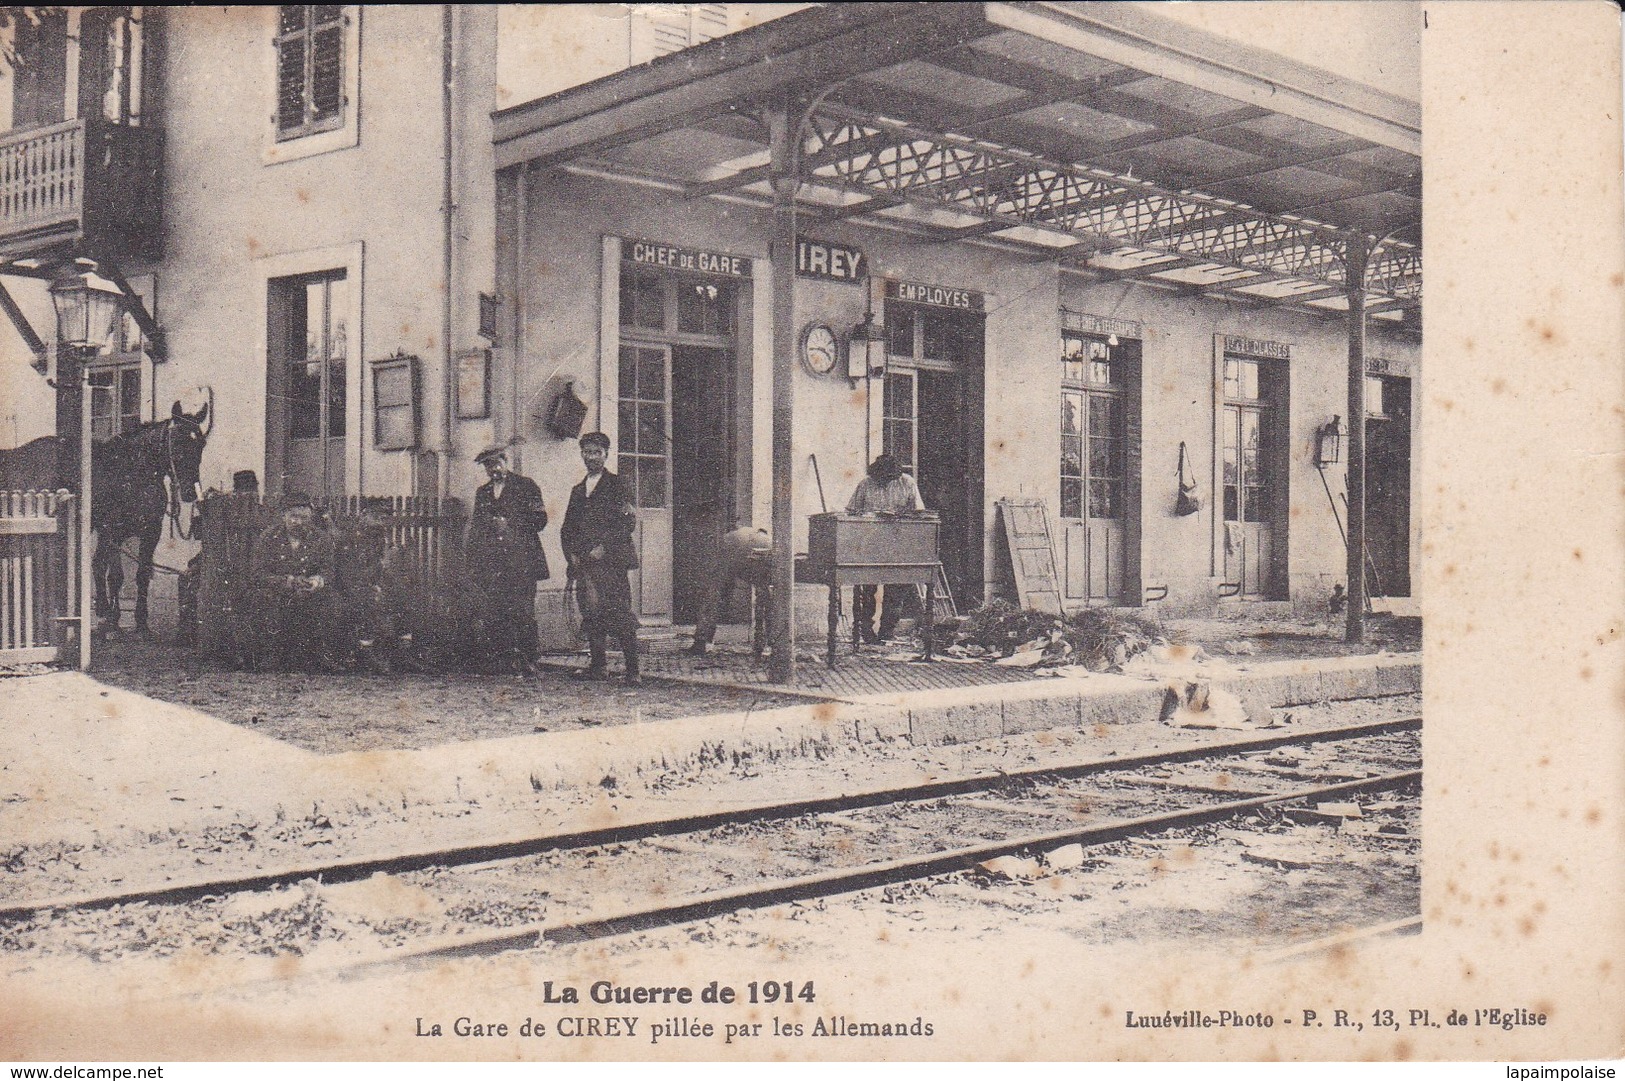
(353, 711)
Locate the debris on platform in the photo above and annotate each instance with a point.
(1259, 711)
(1196, 703)
(1030, 658)
(1341, 810)
(1010, 868)
(1065, 858)
(1098, 640)
(1278, 852)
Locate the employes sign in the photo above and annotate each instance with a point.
(829, 262)
(938, 296)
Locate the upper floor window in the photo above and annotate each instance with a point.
(317, 78)
(658, 29)
(309, 69)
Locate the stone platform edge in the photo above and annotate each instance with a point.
(629, 754)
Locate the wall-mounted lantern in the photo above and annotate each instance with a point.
(566, 413)
(1329, 443)
(866, 349)
(489, 306)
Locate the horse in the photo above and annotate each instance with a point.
(128, 474)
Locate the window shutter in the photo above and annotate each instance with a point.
(677, 26)
(309, 69)
(290, 68)
(710, 21)
(669, 31)
(327, 64)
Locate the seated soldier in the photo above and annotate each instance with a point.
(375, 582)
(292, 575)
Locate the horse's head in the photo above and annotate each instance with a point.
(186, 436)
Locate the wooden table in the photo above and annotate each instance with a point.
(872, 550)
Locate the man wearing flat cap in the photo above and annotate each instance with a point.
(597, 536)
(505, 557)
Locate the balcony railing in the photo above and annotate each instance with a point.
(80, 181)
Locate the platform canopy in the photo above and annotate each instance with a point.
(1097, 134)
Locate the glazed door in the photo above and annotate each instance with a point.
(307, 386)
(644, 462)
(1252, 455)
(942, 471)
(1092, 473)
(1248, 537)
(1098, 376)
(677, 417)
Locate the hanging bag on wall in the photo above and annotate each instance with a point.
(1188, 501)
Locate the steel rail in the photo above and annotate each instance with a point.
(848, 880)
(338, 871)
(1410, 925)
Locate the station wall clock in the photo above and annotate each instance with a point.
(819, 348)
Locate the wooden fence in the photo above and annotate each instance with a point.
(39, 573)
(428, 531)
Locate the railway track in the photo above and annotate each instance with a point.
(616, 879)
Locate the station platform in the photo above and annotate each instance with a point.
(82, 761)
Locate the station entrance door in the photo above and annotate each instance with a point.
(932, 423)
(676, 431)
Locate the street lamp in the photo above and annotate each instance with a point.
(86, 314)
(86, 317)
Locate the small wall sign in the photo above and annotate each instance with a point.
(1256, 347)
(936, 296)
(648, 253)
(473, 384)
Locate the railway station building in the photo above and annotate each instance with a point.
(1074, 253)
(1082, 254)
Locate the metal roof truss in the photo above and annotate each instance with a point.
(895, 163)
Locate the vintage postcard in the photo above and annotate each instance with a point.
(812, 532)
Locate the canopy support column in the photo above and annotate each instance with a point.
(782, 167)
(1359, 251)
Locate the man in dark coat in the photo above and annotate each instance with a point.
(292, 575)
(597, 538)
(381, 598)
(505, 556)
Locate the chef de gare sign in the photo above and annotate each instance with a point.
(672, 258)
